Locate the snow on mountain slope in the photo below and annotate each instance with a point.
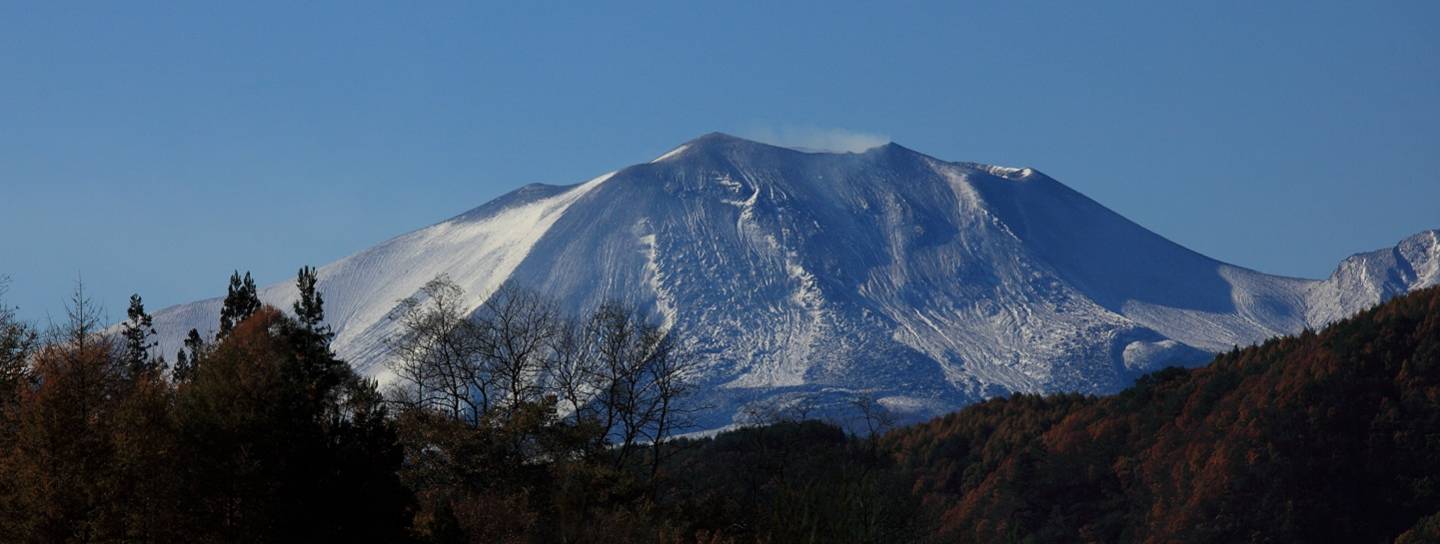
(477, 249)
(924, 283)
(1362, 279)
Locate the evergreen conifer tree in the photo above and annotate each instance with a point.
(138, 333)
(186, 359)
(241, 301)
(182, 365)
(310, 308)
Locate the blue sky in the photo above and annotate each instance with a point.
(154, 148)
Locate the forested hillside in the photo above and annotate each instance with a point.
(519, 424)
(1322, 437)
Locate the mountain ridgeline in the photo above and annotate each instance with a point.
(819, 278)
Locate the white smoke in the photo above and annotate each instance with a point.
(834, 140)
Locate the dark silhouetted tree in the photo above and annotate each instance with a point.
(186, 358)
(138, 334)
(286, 443)
(241, 300)
(17, 342)
(58, 466)
(310, 308)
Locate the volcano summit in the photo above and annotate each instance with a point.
(796, 276)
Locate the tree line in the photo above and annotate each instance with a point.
(514, 422)
(499, 422)
(259, 434)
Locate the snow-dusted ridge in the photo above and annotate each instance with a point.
(671, 154)
(925, 283)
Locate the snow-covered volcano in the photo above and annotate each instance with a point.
(924, 283)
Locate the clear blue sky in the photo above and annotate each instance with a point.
(155, 148)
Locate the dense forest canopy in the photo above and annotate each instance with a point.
(519, 424)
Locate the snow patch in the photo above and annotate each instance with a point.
(1010, 173)
(671, 154)
(664, 300)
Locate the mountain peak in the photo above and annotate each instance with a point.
(717, 148)
(709, 143)
(810, 276)
(717, 138)
(721, 140)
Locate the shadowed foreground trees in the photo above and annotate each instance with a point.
(292, 443)
(18, 341)
(522, 423)
(518, 424)
(270, 439)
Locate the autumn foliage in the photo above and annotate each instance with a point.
(267, 437)
(1328, 437)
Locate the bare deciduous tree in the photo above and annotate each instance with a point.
(613, 373)
(437, 356)
(641, 377)
(513, 329)
(570, 370)
(670, 373)
(874, 418)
